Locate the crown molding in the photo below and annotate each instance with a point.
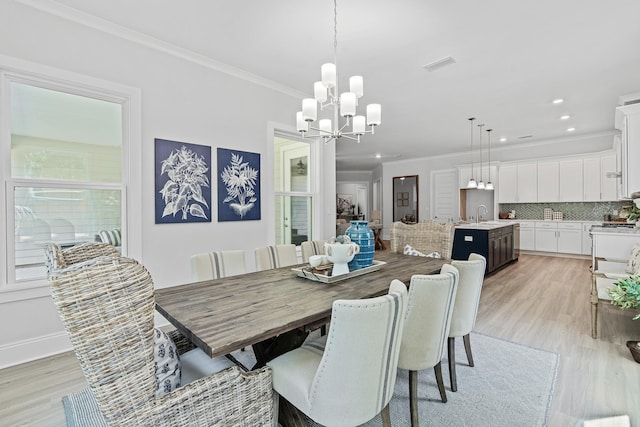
(55, 8)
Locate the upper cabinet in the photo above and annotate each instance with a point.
(548, 181)
(517, 183)
(600, 182)
(575, 179)
(571, 184)
(628, 121)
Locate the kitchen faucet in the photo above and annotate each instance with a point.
(486, 211)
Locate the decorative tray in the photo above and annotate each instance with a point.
(323, 273)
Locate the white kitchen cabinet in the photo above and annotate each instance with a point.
(608, 184)
(628, 121)
(546, 236)
(591, 175)
(571, 182)
(560, 237)
(597, 186)
(527, 236)
(570, 238)
(527, 182)
(517, 183)
(508, 183)
(548, 181)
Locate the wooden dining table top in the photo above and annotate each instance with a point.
(223, 315)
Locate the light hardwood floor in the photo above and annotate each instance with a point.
(538, 301)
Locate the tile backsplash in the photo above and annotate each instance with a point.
(576, 211)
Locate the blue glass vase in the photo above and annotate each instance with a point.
(360, 233)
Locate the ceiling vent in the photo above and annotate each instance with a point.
(525, 136)
(436, 65)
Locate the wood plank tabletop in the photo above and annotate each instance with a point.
(224, 315)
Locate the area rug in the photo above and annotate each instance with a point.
(510, 385)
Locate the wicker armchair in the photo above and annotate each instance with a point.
(425, 236)
(107, 306)
(58, 259)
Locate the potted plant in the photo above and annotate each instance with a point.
(625, 293)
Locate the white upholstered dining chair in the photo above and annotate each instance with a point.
(465, 308)
(426, 328)
(312, 247)
(269, 257)
(348, 376)
(218, 264)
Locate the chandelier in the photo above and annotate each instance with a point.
(327, 95)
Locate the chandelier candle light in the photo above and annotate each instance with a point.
(326, 95)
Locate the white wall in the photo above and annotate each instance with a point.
(182, 101)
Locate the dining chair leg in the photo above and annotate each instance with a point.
(594, 319)
(386, 418)
(438, 370)
(413, 397)
(467, 348)
(451, 352)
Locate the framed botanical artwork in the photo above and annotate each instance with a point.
(182, 182)
(238, 185)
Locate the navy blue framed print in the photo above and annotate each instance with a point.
(238, 185)
(182, 182)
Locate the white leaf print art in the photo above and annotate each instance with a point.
(240, 180)
(182, 193)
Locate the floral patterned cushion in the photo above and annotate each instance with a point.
(410, 250)
(167, 363)
(633, 265)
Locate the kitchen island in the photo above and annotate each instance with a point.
(496, 241)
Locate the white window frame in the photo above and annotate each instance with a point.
(286, 131)
(19, 71)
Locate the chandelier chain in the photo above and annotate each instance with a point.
(335, 32)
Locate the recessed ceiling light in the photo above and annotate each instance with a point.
(378, 156)
(571, 129)
(558, 101)
(565, 117)
(503, 139)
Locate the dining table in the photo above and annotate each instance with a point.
(273, 310)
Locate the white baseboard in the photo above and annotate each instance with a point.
(33, 349)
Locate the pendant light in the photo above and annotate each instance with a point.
(472, 182)
(481, 185)
(489, 185)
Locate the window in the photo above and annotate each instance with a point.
(66, 171)
(293, 189)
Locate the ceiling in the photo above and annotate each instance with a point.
(511, 59)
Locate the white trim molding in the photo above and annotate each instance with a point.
(55, 8)
(32, 349)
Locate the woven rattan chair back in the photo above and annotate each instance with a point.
(58, 259)
(107, 307)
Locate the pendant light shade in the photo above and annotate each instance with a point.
(472, 182)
